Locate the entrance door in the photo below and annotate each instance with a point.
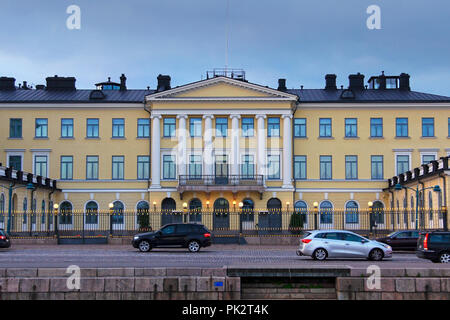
(168, 215)
(271, 222)
(221, 170)
(221, 217)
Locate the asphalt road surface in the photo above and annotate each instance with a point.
(109, 256)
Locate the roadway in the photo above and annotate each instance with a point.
(111, 256)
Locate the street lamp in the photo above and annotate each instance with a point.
(111, 208)
(234, 205)
(154, 205)
(287, 205)
(417, 190)
(315, 205)
(11, 188)
(185, 205)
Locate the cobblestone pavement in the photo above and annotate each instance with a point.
(20, 256)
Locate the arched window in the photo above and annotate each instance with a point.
(2, 208)
(412, 209)
(33, 211)
(91, 212)
(117, 216)
(221, 220)
(195, 210)
(50, 213)
(299, 217)
(65, 213)
(43, 212)
(351, 212)
(326, 212)
(25, 208)
(168, 206)
(143, 216)
(274, 204)
(247, 214)
(405, 211)
(378, 212)
(430, 205)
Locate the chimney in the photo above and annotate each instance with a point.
(40, 87)
(282, 85)
(330, 82)
(382, 81)
(123, 82)
(356, 81)
(163, 83)
(25, 85)
(404, 82)
(7, 84)
(61, 83)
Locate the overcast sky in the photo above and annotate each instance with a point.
(294, 39)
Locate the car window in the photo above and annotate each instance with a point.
(2, 233)
(415, 234)
(440, 238)
(404, 235)
(168, 230)
(183, 228)
(333, 236)
(320, 235)
(351, 237)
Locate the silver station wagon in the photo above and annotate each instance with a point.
(323, 244)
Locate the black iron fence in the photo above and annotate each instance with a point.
(101, 224)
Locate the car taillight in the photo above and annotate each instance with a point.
(425, 242)
(207, 235)
(2, 237)
(306, 240)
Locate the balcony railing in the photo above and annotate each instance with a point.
(232, 183)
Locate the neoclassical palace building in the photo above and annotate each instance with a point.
(222, 143)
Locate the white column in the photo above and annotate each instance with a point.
(287, 151)
(182, 145)
(262, 138)
(235, 144)
(208, 158)
(156, 152)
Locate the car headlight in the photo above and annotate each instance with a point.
(386, 246)
(136, 237)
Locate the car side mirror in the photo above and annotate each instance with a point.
(159, 232)
(364, 241)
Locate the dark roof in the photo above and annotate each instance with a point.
(76, 96)
(367, 95)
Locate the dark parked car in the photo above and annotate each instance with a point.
(434, 246)
(401, 240)
(186, 235)
(4, 239)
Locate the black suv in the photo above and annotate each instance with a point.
(434, 246)
(4, 239)
(186, 235)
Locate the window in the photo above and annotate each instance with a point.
(92, 128)
(92, 167)
(40, 166)
(66, 128)
(221, 127)
(118, 167)
(427, 127)
(66, 167)
(377, 167)
(169, 167)
(351, 237)
(169, 127)
(402, 164)
(325, 127)
(117, 216)
(195, 127)
(143, 167)
(43, 212)
(401, 127)
(248, 127)
(15, 162)
(41, 130)
(168, 229)
(143, 128)
(273, 167)
(273, 127)
(351, 167)
(300, 128)
(15, 128)
(325, 167)
(376, 127)
(118, 128)
(300, 167)
(195, 167)
(351, 128)
(326, 213)
(2, 209)
(91, 213)
(427, 158)
(65, 213)
(247, 166)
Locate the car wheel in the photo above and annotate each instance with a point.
(145, 246)
(320, 254)
(444, 257)
(194, 246)
(376, 255)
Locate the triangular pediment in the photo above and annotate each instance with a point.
(221, 88)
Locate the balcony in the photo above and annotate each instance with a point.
(232, 183)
